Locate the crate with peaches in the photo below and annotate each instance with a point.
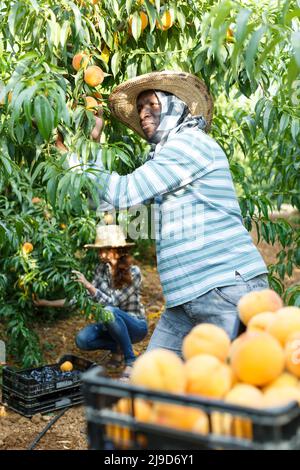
(241, 394)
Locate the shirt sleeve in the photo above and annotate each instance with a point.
(103, 298)
(183, 159)
(134, 288)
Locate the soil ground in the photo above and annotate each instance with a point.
(69, 432)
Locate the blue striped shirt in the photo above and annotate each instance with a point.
(200, 236)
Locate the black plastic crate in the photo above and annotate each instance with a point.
(46, 388)
(43, 404)
(229, 426)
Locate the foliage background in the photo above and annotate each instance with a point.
(247, 53)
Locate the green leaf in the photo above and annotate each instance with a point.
(115, 63)
(37, 170)
(13, 18)
(259, 107)
(77, 17)
(251, 125)
(35, 5)
(17, 109)
(51, 191)
(28, 103)
(116, 8)
(295, 127)
(276, 285)
(145, 65)
(152, 15)
(132, 66)
(292, 75)
(6, 163)
(124, 157)
(136, 25)
(268, 117)
(295, 40)
(181, 20)
(64, 33)
(63, 188)
(279, 201)
(129, 6)
(252, 50)
(105, 33)
(157, 4)
(44, 116)
(284, 122)
(222, 12)
(241, 25)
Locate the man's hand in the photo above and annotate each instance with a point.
(96, 132)
(79, 277)
(59, 143)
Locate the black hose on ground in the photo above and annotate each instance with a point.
(46, 428)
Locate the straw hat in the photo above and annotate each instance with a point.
(109, 236)
(185, 86)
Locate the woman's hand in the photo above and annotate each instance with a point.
(81, 278)
(49, 303)
(40, 302)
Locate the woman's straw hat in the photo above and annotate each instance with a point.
(185, 86)
(109, 236)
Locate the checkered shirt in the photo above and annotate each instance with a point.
(127, 298)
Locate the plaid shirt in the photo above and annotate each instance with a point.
(127, 298)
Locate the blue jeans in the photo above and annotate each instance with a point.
(218, 306)
(119, 333)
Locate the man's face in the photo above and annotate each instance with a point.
(149, 109)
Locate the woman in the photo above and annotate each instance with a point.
(116, 285)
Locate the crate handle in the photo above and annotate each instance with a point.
(63, 402)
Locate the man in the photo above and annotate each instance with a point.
(206, 258)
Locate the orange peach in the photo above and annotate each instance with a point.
(255, 302)
(208, 339)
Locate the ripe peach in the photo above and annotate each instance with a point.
(261, 321)
(159, 369)
(281, 396)
(255, 302)
(93, 76)
(245, 395)
(90, 102)
(208, 339)
(257, 358)
(286, 322)
(66, 366)
(207, 376)
(36, 200)
(27, 247)
(284, 380)
(80, 60)
(181, 417)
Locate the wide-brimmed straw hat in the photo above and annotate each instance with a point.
(109, 236)
(185, 86)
